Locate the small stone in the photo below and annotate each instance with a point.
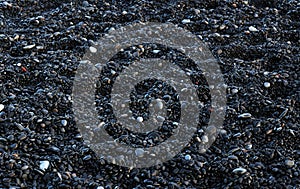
(140, 119)
(29, 47)
(290, 163)
(59, 175)
(85, 4)
(20, 127)
(197, 11)
(204, 139)
(160, 104)
(25, 167)
(187, 157)
(100, 187)
(156, 51)
(186, 21)
(267, 84)
(88, 157)
(44, 165)
(222, 27)
(239, 170)
(160, 118)
(1, 107)
(64, 122)
(22, 137)
(245, 115)
(93, 49)
(234, 91)
(139, 152)
(113, 72)
(233, 157)
(253, 29)
(39, 47)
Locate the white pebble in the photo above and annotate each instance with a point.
(253, 29)
(186, 21)
(93, 49)
(44, 165)
(64, 122)
(113, 72)
(140, 119)
(289, 163)
(187, 157)
(245, 115)
(100, 187)
(156, 51)
(1, 107)
(59, 175)
(267, 84)
(266, 73)
(234, 91)
(240, 170)
(29, 47)
(39, 47)
(204, 139)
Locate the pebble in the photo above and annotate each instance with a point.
(93, 49)
(252, 29)
(245, 115)
(85, 3)
(44, 165)
(28, 47)
(139, 152)
(289, 163)
(234, 91)
(187, 157)
(204, 138)
(222, 27)
(140, 119)
(239, 170)
(233, 157)
(1, 107)
(267, 84)
(160, 105)
(64, 122)
(88, 157)
(186, 21)
(160, 118)
(25, 167)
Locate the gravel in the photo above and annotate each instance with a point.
(255, 42)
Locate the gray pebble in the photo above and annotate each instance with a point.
(139, 152)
